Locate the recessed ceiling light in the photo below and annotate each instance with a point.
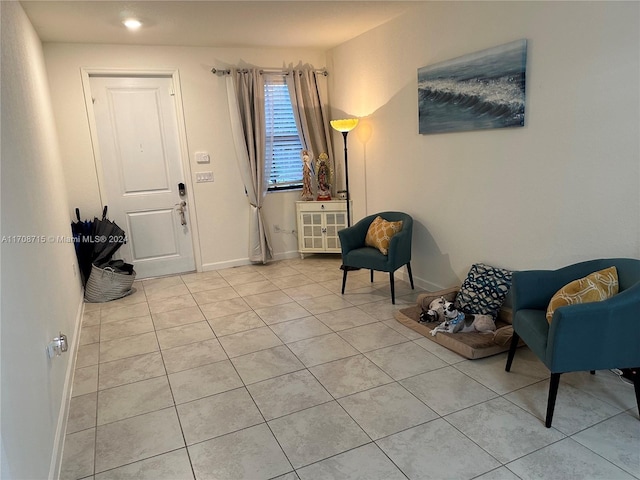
(132, 23)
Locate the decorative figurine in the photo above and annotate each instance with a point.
(324, 177)
(307, 193)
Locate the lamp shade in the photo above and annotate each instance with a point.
(344, 125)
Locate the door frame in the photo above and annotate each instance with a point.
(174, 74)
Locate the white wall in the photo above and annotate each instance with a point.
(222, 210)
(41, 294)
(564, 188)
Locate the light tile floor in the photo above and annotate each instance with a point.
(266, 371)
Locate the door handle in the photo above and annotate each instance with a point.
(180, 207)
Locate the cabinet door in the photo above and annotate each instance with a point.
(311, 230)
(335, 221)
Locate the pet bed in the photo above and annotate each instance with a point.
(469, 345)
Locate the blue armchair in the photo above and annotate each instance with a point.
(589, 336)
(355, 254)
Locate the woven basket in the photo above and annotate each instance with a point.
(105, 284)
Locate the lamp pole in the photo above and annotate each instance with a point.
(346, 177)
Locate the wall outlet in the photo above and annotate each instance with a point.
(279, 229)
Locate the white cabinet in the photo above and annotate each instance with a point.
(318, 226)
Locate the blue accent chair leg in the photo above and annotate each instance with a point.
(551, 402)
(410, 275)
(344, 280)
(393, 288)
(512, 351)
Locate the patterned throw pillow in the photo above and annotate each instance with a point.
(380, 233)
(595, 287)
(484, 290)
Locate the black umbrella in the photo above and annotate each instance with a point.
(82, 230)
(108, 238)
(80, 227)
(96, 241)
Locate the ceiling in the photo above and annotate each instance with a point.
(233, 23)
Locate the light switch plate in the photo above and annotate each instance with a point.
(202, 177)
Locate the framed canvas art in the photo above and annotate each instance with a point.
(480, 90)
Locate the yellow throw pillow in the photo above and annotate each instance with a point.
(595, 287)
(380, 233)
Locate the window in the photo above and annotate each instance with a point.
(283, 144)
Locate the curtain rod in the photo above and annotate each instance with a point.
(227, 71)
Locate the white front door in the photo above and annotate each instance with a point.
(141, 160)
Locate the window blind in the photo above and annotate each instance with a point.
(283, 144)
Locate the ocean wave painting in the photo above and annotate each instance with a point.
(481, 90)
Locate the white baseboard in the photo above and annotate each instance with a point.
(208, 267)
(287, 255)
(61, 428)
(418, 282)
(238, 262)
(401, 273)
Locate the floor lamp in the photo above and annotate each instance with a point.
(345, 126)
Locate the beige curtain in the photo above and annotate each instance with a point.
(245, 93)
(309, 109)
